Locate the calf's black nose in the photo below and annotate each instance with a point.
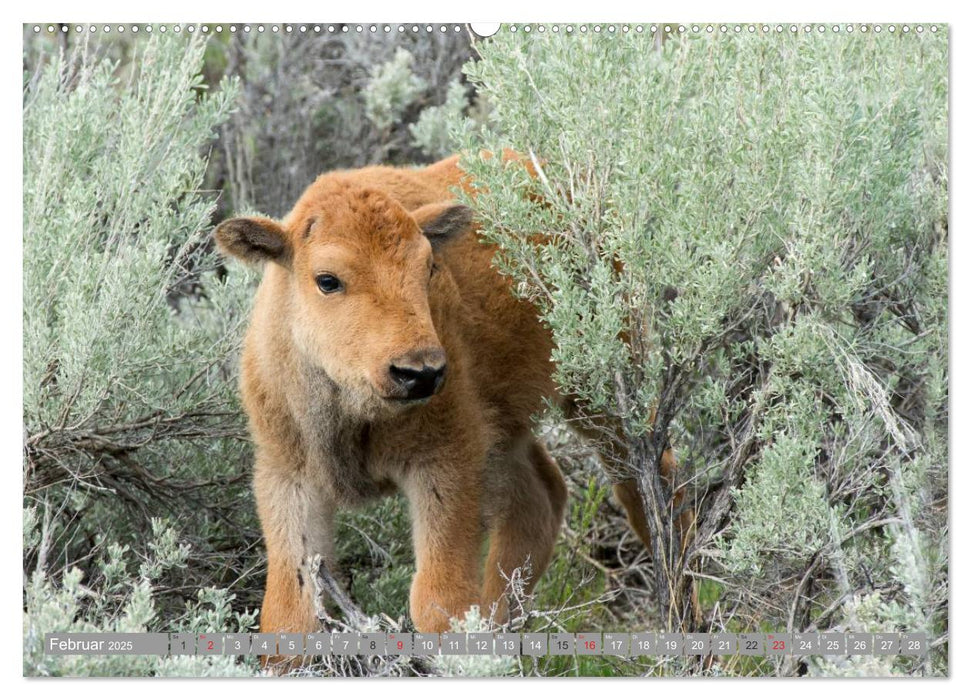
(418, 377)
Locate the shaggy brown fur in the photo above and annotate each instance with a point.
(322, 384)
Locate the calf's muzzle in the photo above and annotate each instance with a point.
(418, 374)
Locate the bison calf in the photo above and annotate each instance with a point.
(384, 352)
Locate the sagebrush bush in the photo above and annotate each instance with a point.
(392, 88)
(123, 601)
(130, 409)
(746, 235)
(432, 130)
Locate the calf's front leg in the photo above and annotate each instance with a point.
(297, 519)
(447, 534)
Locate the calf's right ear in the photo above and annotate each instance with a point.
(253, 239)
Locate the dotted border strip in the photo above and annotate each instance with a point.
(604, 29)
(249, 28)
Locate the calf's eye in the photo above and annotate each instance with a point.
(329, 284)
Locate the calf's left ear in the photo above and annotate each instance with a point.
(442, 221)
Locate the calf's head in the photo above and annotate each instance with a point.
(358, 270)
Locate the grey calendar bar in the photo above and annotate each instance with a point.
(562, 644)
(751, 644)
(697, 644)
(778, 644)
(589, 644)
(317, 644)
(290, 643)
(536, 644)
(618, 644)
(507, 644)
(212, 644)
(670, 644)
(886, 644)
(374, 644)
(237, 644)
(263, 644)
(182, 644)
(96, 644)
(400, 644)
(425, 644)
(643, 644)
(806, 644)
(482, 643)
(724, 644)
(453, 644)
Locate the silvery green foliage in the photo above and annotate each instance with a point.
(130, 335)
(393, 86)
(474, 665)
(113, 225)
(431, 131)
(748, 233)
(782, 514)
(123, 601)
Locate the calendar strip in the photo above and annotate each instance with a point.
(619, 644)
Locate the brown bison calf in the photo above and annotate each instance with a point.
(385, 352)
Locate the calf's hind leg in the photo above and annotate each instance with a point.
(615, 458)
(629, 496)
(527, 499)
